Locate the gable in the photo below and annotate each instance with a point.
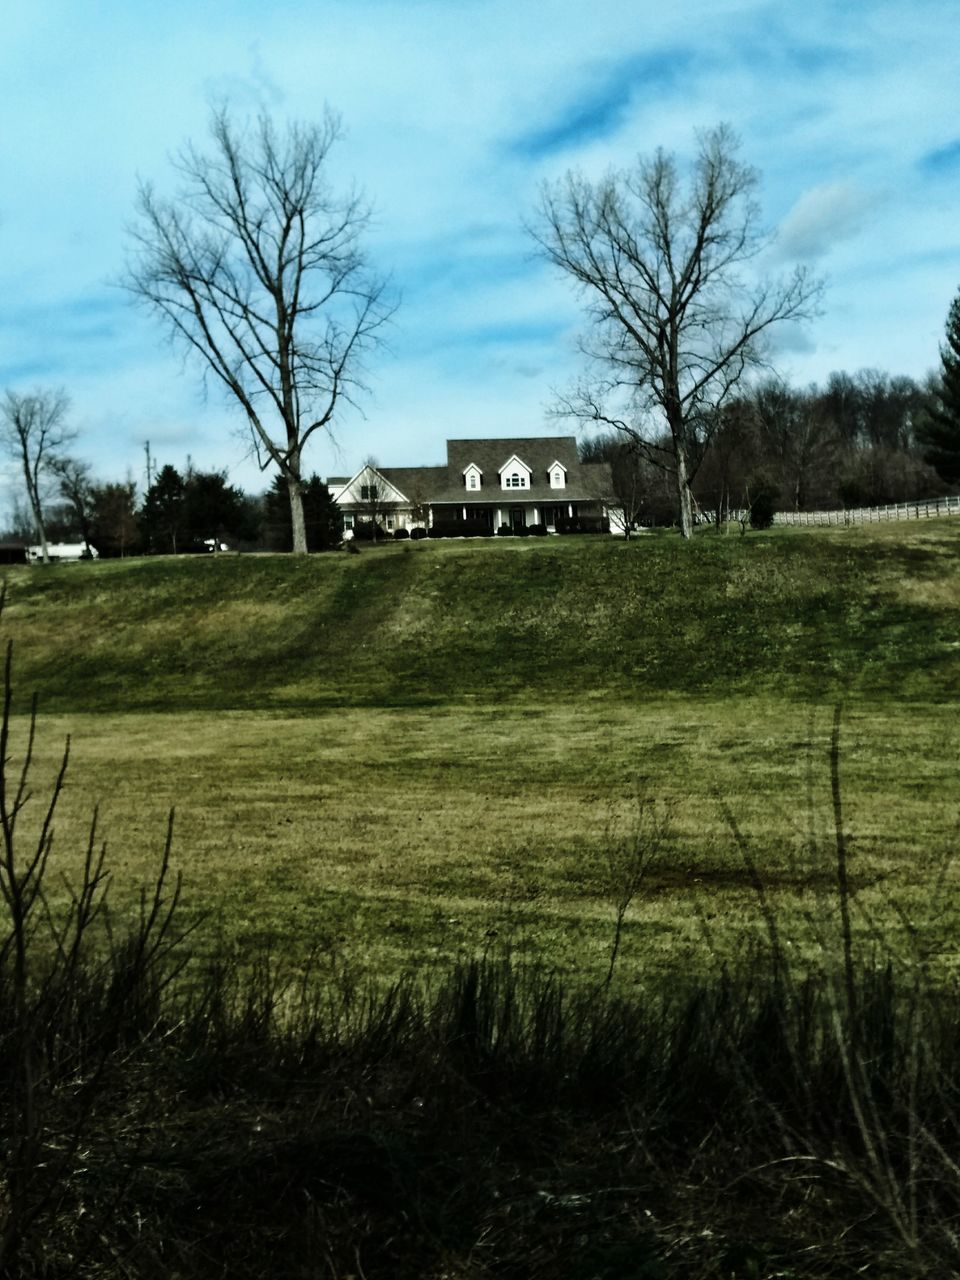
(357, 488)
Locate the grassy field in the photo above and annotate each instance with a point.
(440, 764)
(860, 613)
(424, 752)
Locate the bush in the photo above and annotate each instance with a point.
(762, 509)
(417, 533)
(522, 531)
(537, 530)
(400, 534)
(505, 531)
(369, 531)
(469, 528)
(583, 524)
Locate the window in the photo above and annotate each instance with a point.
(369, 493)
(473, 480)
(348, 521)
(515, 480)
(557, 476)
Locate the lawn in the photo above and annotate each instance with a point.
(431, 760)
(423, 752)
(415, 836)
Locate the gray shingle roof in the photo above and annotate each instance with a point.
(585, 482)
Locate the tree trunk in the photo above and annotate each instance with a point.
(297, 522)
(34, 497)
(684, 496)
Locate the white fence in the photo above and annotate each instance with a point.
(922, 510)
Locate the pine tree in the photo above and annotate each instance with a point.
(322, 517)
(162, 513)
(940, 431)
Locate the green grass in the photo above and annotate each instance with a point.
(422, 752)
(402, 761)
(400, 836)
(809, 614)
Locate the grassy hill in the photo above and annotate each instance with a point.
(442, 763)
(811, 614)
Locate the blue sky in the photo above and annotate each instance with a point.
(455, 112)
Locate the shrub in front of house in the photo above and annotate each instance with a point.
(460, 529)
(400, 534)
(369, 531)
(474, 529)
(537, 530)
(504, 531)
(522, 531)
(583, 524)
(417, 533)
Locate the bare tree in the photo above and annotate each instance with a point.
(675, 326)
(257, 268)
(33, 431)
(76, 488)
(629, 475)
(798, 437)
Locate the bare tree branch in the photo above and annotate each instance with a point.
(674, 324)
(257, 269)
(33, 431)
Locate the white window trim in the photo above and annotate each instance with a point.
(515, 468)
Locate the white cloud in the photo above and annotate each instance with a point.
(822, 217)
(834, 105)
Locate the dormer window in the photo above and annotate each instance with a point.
(557, 476)
(473, 477)
(514, 474)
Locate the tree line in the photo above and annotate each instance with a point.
(180, 511)
(862, 439)
(677, 350)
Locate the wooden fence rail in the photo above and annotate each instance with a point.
(922, 510)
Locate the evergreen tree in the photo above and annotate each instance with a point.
(939, 432)
(163, 511)
(113, 522)
(324, 522)
(179, 513)
(215, 509)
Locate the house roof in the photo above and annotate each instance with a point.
(418, 484)
(585, 481)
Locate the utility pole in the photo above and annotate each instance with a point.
(149, 465)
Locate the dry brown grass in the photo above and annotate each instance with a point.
(410, 836)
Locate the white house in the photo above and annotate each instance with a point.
(485, 485)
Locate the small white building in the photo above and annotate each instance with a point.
(63, 552)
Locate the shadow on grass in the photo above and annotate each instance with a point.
(166, 1115)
